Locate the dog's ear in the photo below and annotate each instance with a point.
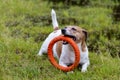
(85, 33)
(84, 39)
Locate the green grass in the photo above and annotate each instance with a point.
(29, 66)
(20, 41)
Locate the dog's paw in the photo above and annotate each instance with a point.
(39, 54)
(83, 70)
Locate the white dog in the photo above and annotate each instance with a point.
(62, 50)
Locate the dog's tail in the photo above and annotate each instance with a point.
(54, 20)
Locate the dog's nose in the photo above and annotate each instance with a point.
(63, 31)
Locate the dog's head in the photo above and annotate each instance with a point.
(78, 34)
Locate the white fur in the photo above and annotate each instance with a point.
(67, 55)
(54, 19)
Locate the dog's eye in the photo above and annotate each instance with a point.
(74, 29)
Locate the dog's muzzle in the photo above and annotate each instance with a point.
(65, 34)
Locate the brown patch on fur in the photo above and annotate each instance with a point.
(84, 39)
(59, 48)
(83, 46)
(80, 35)
(56, 28)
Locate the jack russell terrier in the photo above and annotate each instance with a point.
(62, 50)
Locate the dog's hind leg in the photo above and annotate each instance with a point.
(43, 49)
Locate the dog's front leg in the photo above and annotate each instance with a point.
(84, 66)
(62, 64)
(63, 60)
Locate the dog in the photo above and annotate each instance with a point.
(64, 51)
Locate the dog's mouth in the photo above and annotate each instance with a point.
(71, 36)
(68, 35)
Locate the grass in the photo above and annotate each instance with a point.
(20, 41)
(27, 66)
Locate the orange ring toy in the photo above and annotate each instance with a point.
(52, 59)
